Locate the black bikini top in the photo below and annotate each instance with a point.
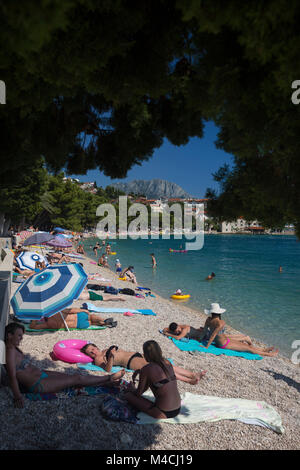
(162, 382)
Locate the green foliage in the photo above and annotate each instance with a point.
(102, 84)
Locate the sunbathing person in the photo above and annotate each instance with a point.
(57, 258)
(74, 318)
(24, 272)
(183, 331)
(23, 374)
(158, 375)
(186, 331)
(214, 330)
(114, 356)
(90, 295)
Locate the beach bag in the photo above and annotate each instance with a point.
(116, 410)
(127, 291)
(95, 287)
(111, 290)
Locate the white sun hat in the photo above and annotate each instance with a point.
(214, 308)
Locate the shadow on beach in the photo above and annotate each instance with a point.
(277, 376)
(83, 419)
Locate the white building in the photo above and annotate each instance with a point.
(240, 225)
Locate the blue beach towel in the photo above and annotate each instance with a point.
(194, 345)
(91, 366)
(93, 308)
(114, 369)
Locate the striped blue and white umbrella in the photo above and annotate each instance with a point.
(46, 293)
(27, 259)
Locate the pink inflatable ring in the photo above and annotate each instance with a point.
(69, 351)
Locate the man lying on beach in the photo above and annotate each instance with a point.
(23, 374)
(114, 356)
(73, 317)
(183, 331)
(90, 295)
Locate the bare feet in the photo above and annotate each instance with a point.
(196, 377)
(269, 352)
(201, 374)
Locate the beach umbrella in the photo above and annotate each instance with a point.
(27, 259)
(64, 235)
(46, 293)
(59, 242)
(38, 238)
(24, 234)
(59, 229)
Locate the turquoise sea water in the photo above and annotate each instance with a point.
(259, 300)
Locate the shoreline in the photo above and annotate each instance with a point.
(42, 425)
(194, 310)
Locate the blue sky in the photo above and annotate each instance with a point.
(190, 166)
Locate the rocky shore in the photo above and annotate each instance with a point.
(76, 423)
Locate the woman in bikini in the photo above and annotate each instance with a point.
(160, 377)
(214, 330)
(74, 318)
(114, 356)
(22, 374)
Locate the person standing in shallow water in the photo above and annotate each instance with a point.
(154, 264)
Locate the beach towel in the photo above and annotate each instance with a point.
(91, 327)
(202, 408)
(93, 308)
(91, 366)
(194, 345)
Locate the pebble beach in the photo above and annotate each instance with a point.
(76, 423)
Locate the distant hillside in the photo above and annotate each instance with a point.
(152, 189)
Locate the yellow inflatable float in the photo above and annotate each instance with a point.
(113, 253)
(180, 297)
(123, 278)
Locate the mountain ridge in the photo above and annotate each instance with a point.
(153, 189)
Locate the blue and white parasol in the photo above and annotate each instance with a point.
(27, 259)
(46, 293)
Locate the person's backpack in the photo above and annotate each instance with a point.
(127, 291)
(115, 409)
(111, 290)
